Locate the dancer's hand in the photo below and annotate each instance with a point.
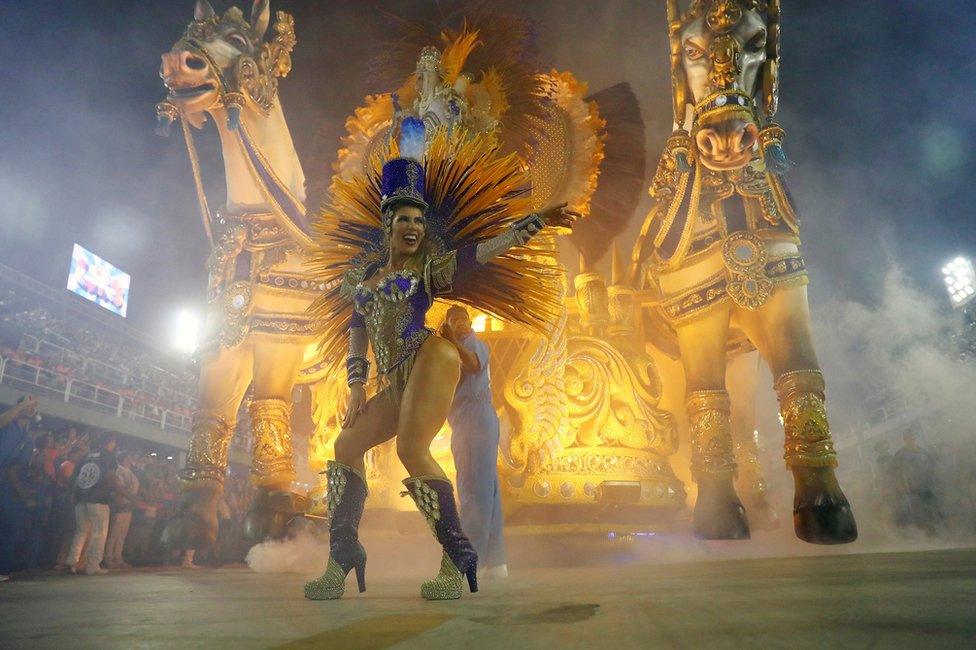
(559, 216)
(355, 405)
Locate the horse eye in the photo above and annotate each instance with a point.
(693, 52)
(238, 41)
(757, 42)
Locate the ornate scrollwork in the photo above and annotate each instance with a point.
(612, 403)
(537, 394)
(259, 77)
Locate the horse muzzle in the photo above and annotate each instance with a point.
(189, 79)
(726, 145)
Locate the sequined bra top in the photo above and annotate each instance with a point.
(394, 312)
(394, 315)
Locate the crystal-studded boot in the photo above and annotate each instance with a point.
(434, 497)
(345, 502)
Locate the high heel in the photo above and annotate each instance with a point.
(473, 578)
(434, 497)
(345, 502)
(361, 576)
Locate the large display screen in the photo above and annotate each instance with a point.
(94, 279)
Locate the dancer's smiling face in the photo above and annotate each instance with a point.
(407, 230)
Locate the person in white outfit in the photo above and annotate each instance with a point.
(121, 508)
(95, 484)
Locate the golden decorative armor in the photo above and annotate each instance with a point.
(711, 433)
(206, 460)
(801, 403)
(271, 426)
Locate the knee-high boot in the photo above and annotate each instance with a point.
(434, 497)
(345, 501)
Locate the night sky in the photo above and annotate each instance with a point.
(877, 99)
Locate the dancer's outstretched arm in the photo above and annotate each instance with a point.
(444, 270)
(521, 231)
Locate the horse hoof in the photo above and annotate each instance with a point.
(761, 514)
(826, 524)
(272, 514)
(194, 525)
(718, 512)
(260, 525)
(185, 531)
(821, 512)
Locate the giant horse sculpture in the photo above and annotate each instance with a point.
(721, 248)
(257, 331)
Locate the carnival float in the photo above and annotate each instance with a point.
(593, 409)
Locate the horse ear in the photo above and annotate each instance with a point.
(203, 10)
(260, 17)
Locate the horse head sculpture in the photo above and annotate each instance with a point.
(724, 66)
(224, 61)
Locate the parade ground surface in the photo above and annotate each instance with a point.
(855, 600)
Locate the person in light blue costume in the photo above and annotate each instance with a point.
(474, 444)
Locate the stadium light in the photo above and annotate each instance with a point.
(960, 279)
(186, 332)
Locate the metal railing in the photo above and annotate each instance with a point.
(37, 380)
(95, 369)
(53, 385)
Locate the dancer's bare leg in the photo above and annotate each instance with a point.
(426, 403)
(375, 425)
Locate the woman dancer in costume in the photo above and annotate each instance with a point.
(434, 244)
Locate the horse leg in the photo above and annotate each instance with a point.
(749, 481)
(781, 331)
(224, 378)
(718, 511)
(276, 367)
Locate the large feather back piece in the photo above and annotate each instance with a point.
(474, 194)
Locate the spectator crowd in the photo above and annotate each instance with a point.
(67, 351)
(47, 351)
(87, 504)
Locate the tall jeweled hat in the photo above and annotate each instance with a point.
(402, 180)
